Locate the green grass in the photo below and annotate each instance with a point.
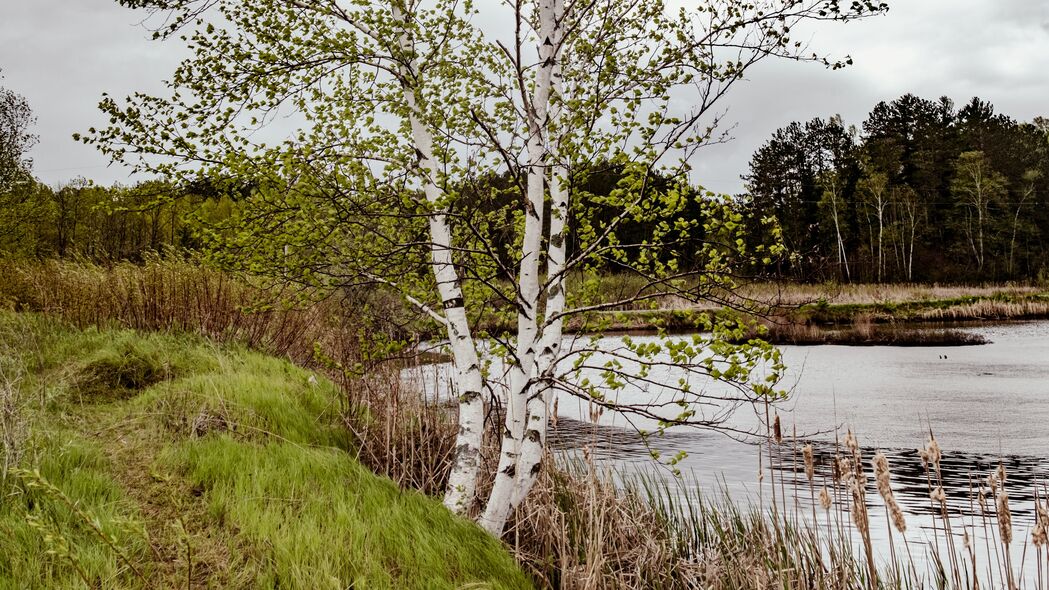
(154, 460)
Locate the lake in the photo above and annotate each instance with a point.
(986, 404)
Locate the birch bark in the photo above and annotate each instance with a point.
(462, 481)
(523, 362)
(533, 444)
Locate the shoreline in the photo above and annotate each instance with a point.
(884, 323)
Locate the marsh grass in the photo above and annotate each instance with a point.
(237, 471)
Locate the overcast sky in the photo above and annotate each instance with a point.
(63, 54)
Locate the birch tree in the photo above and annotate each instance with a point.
(874, 189)
(360, 124)
(976, 186)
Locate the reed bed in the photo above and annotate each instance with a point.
(616, 287)
(864, 334)
(847, 294)
(989, 309)
(584, 527)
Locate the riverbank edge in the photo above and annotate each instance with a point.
(825, 315)
(822, 322)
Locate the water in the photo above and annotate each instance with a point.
(986, 405)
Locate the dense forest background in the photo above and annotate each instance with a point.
(922, 191)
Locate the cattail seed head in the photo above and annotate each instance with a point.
(825, 498)
(1005, 517)
(1040, 534)
(859, 508)
(882, 475)
(933, 449)
(851, 443)
(810, 464)
(777, 430)
(938, 496)
(845, 471)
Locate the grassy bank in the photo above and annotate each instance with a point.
(163, 461)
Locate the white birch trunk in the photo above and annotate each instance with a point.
(462, 481)
(534, 444)
(523, 363)
(538, 400)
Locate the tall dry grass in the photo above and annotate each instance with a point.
(616, 287)
(989, 309)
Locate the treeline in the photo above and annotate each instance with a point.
(81, 219)
(924, 191)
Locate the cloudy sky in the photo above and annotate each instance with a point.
(63, 54)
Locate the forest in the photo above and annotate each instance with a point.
(922, 191)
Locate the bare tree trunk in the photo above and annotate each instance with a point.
(881, 232)
(522, 368)
(462, 480)
(1016, 222)
(842, 258)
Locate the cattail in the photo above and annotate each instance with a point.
(859, 508)
(825, 498)
(933, 449)
(777, 430)
(810, 465)
(882, 475)
(851, 443)
(845, 471)
(1001, 474)
(553, 415)
(1040, 534)
(1005, 517)
(938, 495)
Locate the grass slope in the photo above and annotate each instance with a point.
(160, 461)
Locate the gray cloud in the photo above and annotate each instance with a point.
(63, 55)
